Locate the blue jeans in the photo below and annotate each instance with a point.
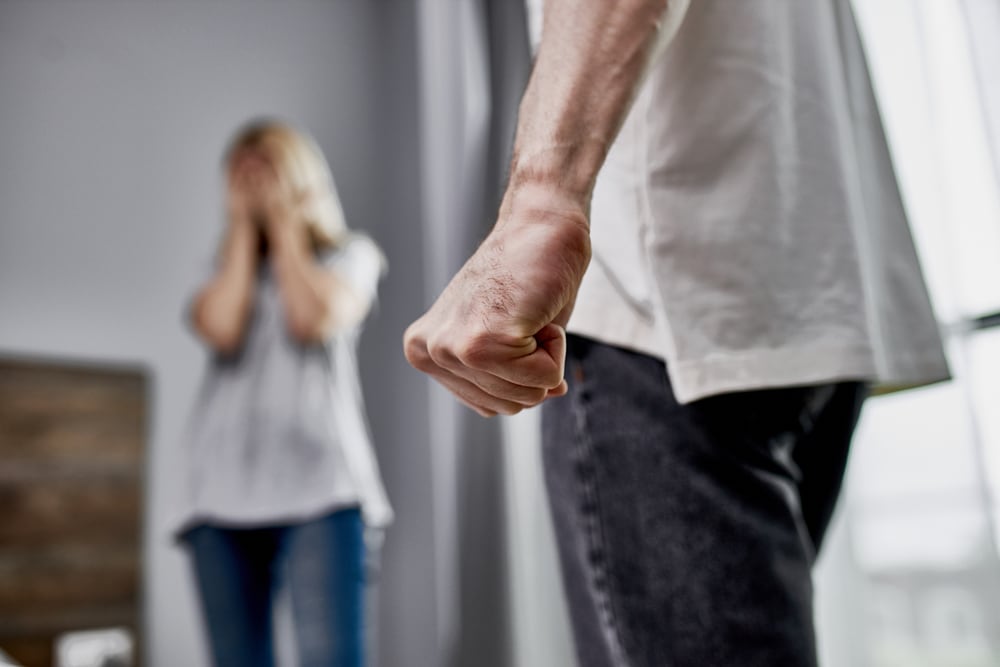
(687, 533)
(322, 561)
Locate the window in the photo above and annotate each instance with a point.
(921, 496)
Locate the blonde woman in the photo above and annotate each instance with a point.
(282, 478)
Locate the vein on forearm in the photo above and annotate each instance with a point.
(588, 68)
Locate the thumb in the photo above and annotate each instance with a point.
(537, 363)
(551, 339)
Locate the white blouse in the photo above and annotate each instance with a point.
(278, 432)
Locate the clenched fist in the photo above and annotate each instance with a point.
(495, 336)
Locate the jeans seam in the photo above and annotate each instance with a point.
(600, 581)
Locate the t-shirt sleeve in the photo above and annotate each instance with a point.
(360, 264)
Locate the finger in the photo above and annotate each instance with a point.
(415, 349)
(561, 390)
(278, 183)
(237, 180)
(444, 357)
(542, 365)
(552, 339)
(495, 386)
(253, 181)
(474, 397)
(525, 362)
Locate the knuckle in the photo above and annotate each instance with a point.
(473, 350)
(415, 351)
(439, 351)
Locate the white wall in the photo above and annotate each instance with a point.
(112, 119)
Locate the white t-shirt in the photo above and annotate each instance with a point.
(278, 433)
(747, 227)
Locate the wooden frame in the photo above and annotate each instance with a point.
(72, 452)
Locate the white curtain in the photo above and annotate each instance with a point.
(474, 65)
(911, 574)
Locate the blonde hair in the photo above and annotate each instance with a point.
(298, 158)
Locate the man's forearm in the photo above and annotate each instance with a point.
(495, 337)
(588, 67)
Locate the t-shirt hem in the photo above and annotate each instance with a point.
(255, 517)
(746, 370)
(620, 332)
(768, 368)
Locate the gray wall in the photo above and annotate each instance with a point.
(112, 118)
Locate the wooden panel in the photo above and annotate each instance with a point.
(71, 489)
(30, 650)
(60, 512)
(70, 416)
(32, 582)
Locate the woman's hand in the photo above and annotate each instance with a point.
(281, 207)
(242, 194)
(222, 307)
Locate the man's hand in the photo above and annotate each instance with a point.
(495, 337)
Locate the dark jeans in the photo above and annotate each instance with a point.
(687, 532)
(323, 563)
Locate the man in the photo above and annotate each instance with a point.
(752, 272)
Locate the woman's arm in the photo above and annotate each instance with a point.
(317, 301)
(222, 307)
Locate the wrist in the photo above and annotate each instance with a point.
(286, 237)
(242, 231)
(567, 170)
(533, 201)
(238, 219)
